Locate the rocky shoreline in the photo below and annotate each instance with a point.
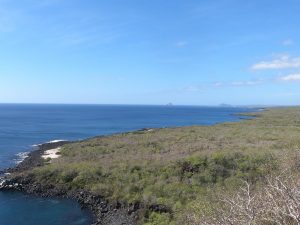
(104, 212)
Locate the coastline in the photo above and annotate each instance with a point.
(103, 211)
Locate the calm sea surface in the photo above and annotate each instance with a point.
(22, 126)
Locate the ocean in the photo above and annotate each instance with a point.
(22, 126)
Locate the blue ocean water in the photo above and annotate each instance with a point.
(23, 125)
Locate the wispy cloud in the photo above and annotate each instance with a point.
(181, 44)
(246, 83)
(243, 40)
(45, 3)
(283, 62)
(87, 37)
(193, 88)
(89, 29)
(290, 78)
(220, 84)
(14, 16)
(67, 28)
(212, 9)
(286, 94)
(9, 17)
(288, 42)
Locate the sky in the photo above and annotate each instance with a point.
(188, 52)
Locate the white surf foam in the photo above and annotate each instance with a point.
(1, 181)
(55, 141)
(20, 157)
(48, 142)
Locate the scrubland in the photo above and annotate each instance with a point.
(232, 173)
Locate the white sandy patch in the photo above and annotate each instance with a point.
(51, 153)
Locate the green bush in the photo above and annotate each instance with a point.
(159, 219)
(219, 166)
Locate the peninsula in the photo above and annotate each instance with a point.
(182, 175)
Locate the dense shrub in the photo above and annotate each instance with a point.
(219, 166)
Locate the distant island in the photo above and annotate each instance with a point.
(239, 171)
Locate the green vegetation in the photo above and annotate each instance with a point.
(178, 167)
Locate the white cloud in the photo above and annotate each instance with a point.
(283, 62)
(290, 78)
(288, 42)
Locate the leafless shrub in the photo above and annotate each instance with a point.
(277, 202)
(282, 200)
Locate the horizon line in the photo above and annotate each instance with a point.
(139, 104)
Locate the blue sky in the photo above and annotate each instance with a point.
(194, 52)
